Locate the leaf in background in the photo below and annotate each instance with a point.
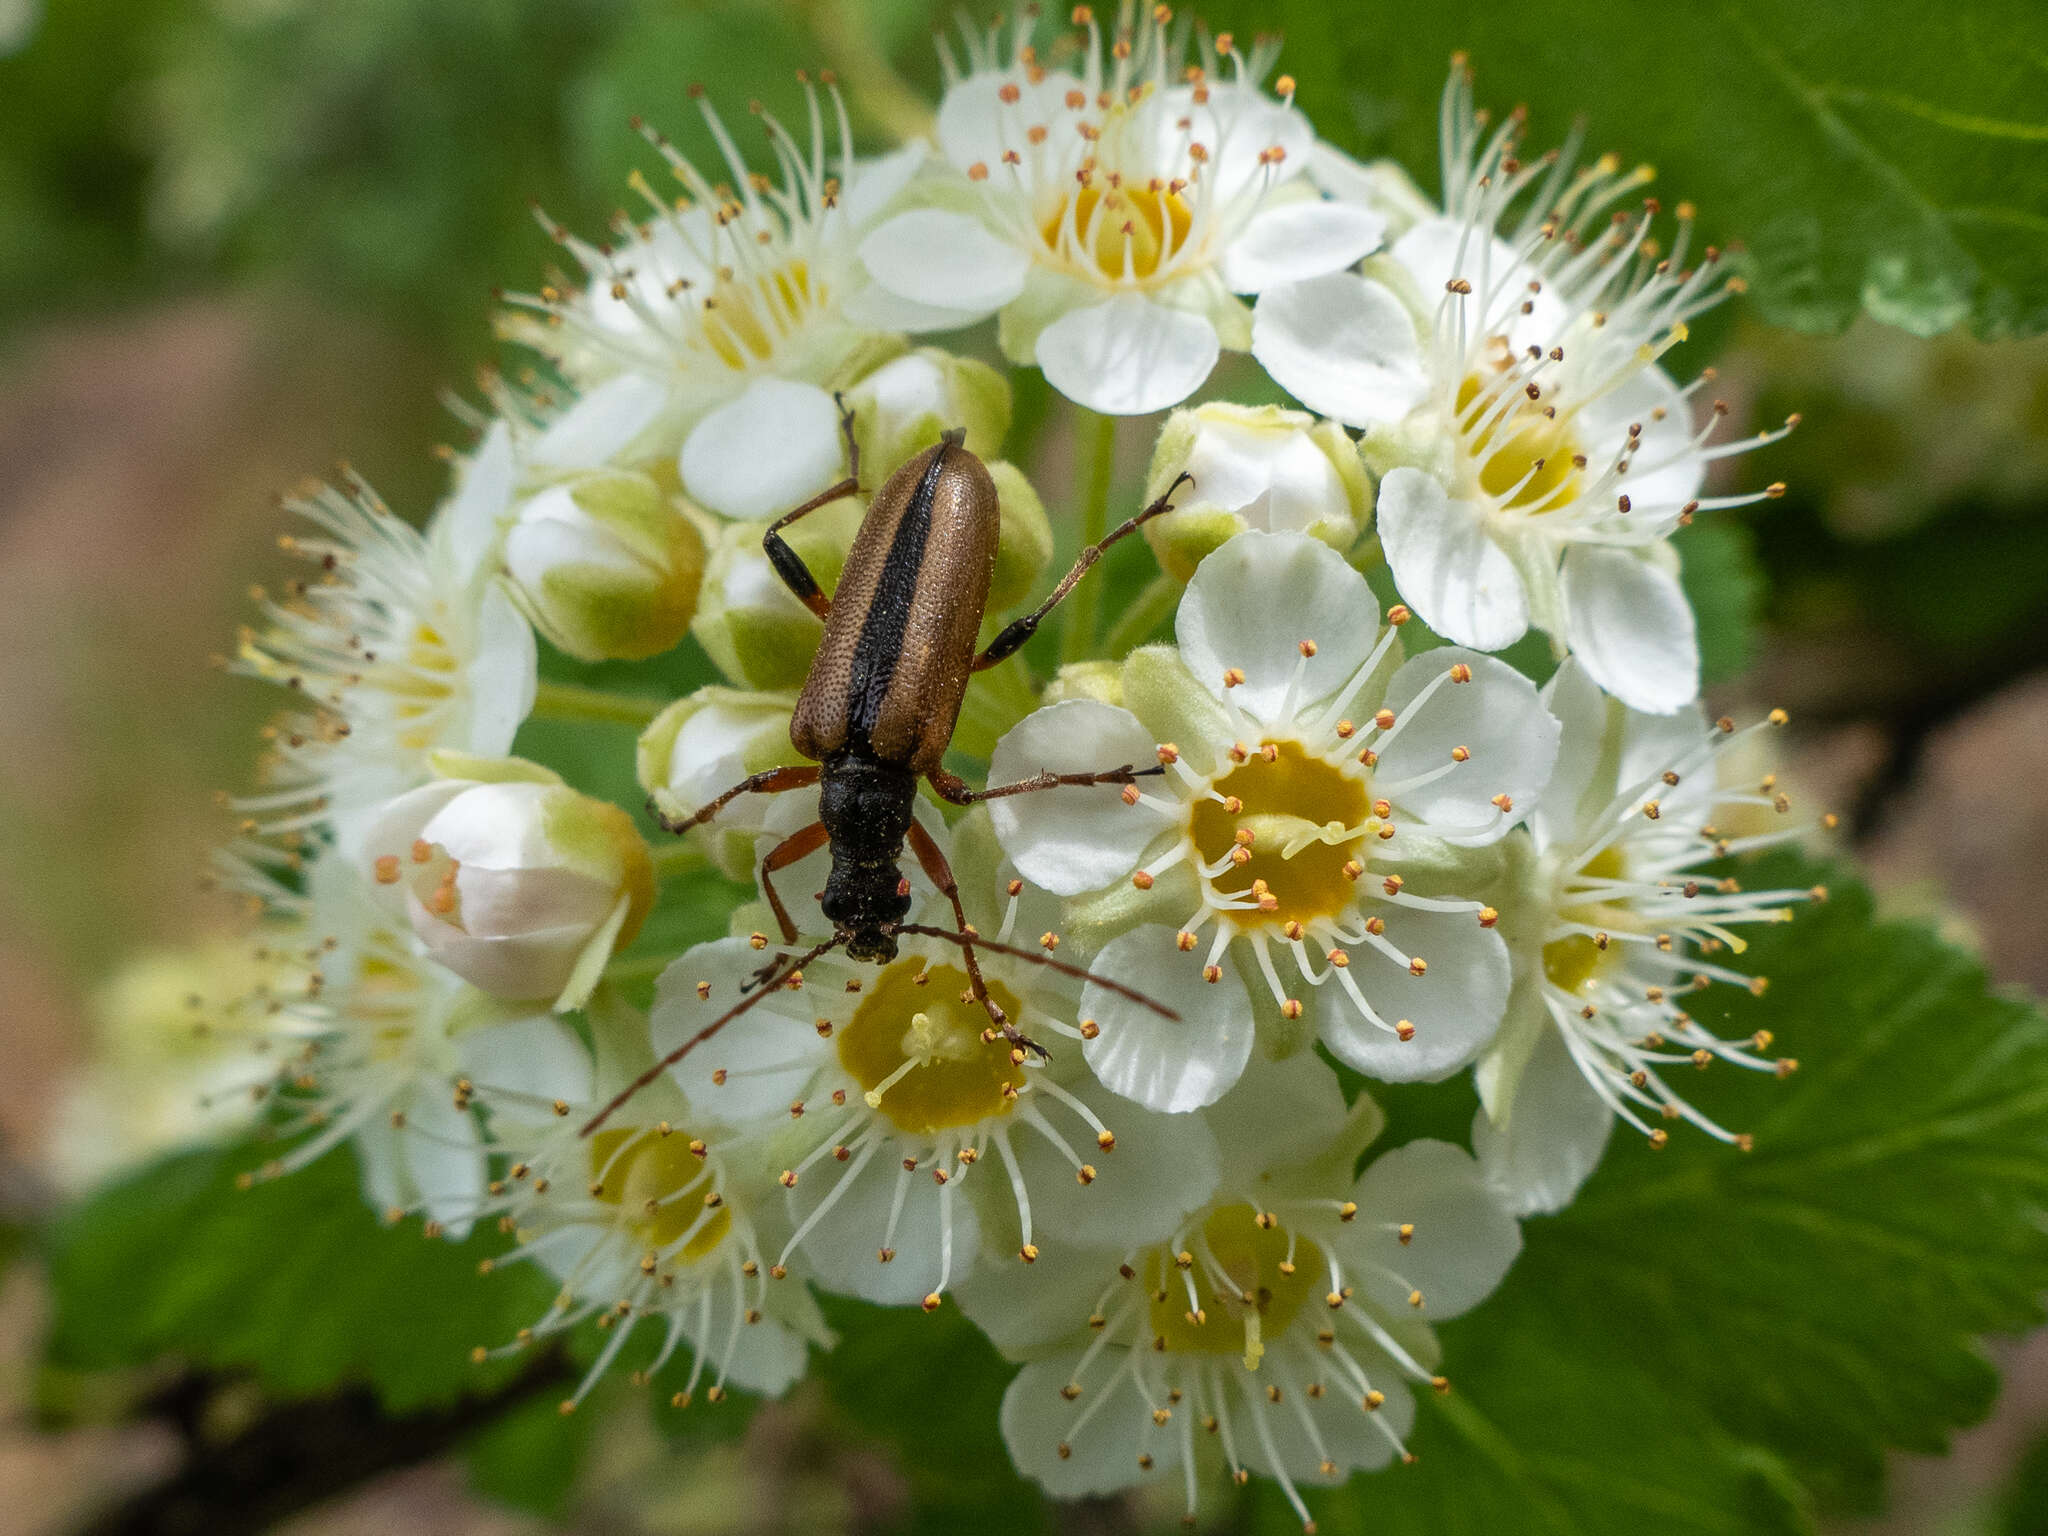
(529, 1458)
(1713, 1342)
(1725, 586)
(294, 1279)
(1877, 155)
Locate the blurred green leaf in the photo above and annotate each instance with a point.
(1714, 1342)
(1726, 588)
(1874, 154)
(529, 1458)
(2025, 1511)
(293, 1279)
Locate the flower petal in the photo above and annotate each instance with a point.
(1102, 1456)
(765, 452)
(1497, 718)
(1665, 468)
(1026, 1308)
(1572, 794)
(1629, 623)
(471, 520)
(1171, 1065)
(1072, 839)
(1297, 241)
(1448, 569)
(1554, 1137)
(1279, 1113)
(443, 1153)
(947, 259)
(975, 125)
(1439, 250)
(876, 182)
(538, 1056)
(1252, 604)
(1463, 1241)
(765, 1061)
(502, 677)
(1455, 1005)
(846, 1244)
(1341, 345)
(601, 426)
(1162, 1168)
(1128, 357)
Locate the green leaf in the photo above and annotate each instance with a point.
(1714, 1342)
(1726, 588)
(1877, 154)
(529, 1458)
(2025, 1511)
(294, 1280)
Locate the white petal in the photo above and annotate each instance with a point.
(1170, 1065)
(1349, 1435)
(766, 452)
(876, 182)
(1253, 602)
(875, 308)
(1297, 241)
(1438, 250)
(1103, 1453)
(600, 426)
(1341, 345)
(1554, 1136)
(443, 1152)
(942, 258)
(1026, 1308)
(1128, 357)
(975, 125)
(1072, 839)
(1279, 1113)
(768, 1056)
(1463, 1241)
(1240, 125)
(1448, 569)
(844, 1247)
(1163, 1168)
(502, 677)
(1665, 469)
(538, 1056)
(1455, 1006)
(1572, 794)
(1632, 629)
(767, 1358)
(1498, 718)
(473, 517)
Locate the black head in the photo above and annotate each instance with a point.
(864, 903)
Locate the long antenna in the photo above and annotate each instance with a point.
(790, 969)
(978, 942)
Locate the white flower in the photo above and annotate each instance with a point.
(1252, 467)
(399, 644)
(511, 879)
(606, 566)
(646, 1218)
(1278, 1330)
(1308, 780)
(383, 1047)
(893, 1095)
(1535, 458)
(901, 408)
(1616, 928)
(1111, 214)
(717, 330)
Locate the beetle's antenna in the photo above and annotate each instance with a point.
(795, 964)
(978, 942)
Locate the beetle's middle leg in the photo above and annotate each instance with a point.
(799, 844)
(932, 859)
(788, 564)
(1017, 631)
(772, 781)
(953, 788)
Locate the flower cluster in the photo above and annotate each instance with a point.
(1331, 840)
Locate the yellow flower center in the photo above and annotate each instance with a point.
(419, 685)
(1141, 224)
(1576, 960)
(1525, 461)
(745, 316)
(915, 1047)
(1306, 820)
(1249, 1282)
(652, 1180)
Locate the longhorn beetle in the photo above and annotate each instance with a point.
(878, 709)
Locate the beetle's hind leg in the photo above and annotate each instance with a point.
(1017, 631)
(788, 564)
(932, 859)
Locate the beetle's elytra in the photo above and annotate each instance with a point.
(878, 709)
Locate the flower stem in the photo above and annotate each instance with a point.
(674, 859)
(571, 701)
(1143, 616)
(1096, 441)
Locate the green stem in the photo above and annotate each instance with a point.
(1143, 616)
(678, 858)
(1096, 445)
(639, 968)
(571, 701)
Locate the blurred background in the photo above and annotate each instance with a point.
(243, 239)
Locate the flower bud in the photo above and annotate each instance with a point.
(512, 880)
(1254, 467)
(702, 745)
(1025, 545)
(902, 407)
(752, 625)
(1102, 681)
(606, 566)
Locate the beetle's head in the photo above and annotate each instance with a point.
(865, 902)
(875, 946)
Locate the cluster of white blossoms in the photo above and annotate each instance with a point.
(1361, 849)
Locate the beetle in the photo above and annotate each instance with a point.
(878, 709)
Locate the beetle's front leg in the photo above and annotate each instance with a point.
(788, 564)
(932, 860)
(772, 781)
(799, 844)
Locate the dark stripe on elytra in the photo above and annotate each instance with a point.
(880, 646)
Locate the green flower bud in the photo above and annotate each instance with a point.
(702, 745)
(752, 625)
(901, 408)
(1102, 681)
(605, 566)
(1025, 546)
(1254, 467)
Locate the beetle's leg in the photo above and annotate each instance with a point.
(788, 563)
(1017, 631)
(772, 782)
(932, 859)
(956, 789)
(799, 844)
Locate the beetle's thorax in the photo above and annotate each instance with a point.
(865, 805)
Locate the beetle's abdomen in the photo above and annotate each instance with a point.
(890, 673)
